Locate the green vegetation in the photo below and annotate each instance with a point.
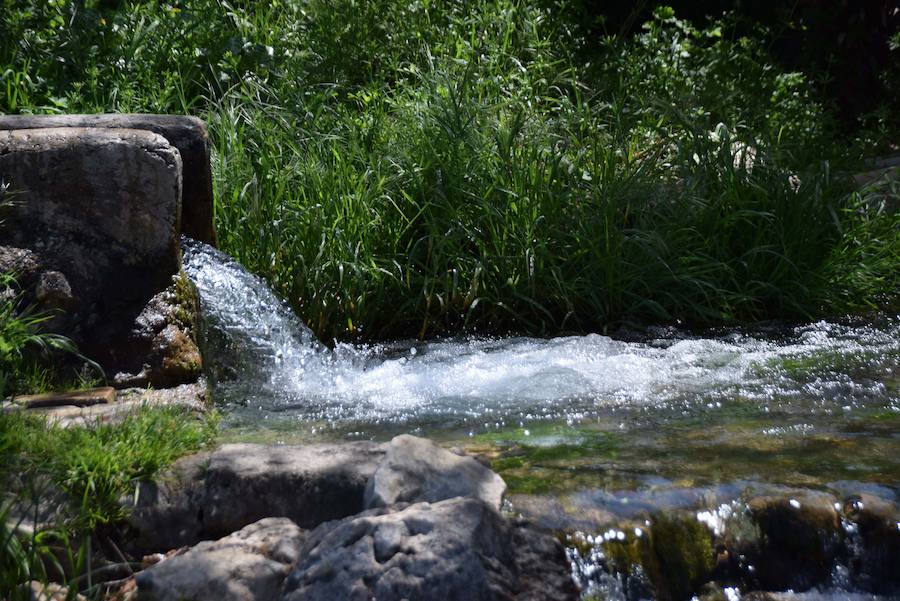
(26, 352)
(416, 168)
(19, 334)
(84, 472)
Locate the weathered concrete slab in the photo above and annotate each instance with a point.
(187, 134)
(81, 398)
(99, 210)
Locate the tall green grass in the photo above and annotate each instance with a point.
(81, 475)
(417, 169)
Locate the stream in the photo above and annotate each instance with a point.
(581, 427)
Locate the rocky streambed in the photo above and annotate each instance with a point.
(730, 465)
(403, 520)
(409, 519)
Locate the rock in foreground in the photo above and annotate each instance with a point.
(210, 495)
(416, 469)
(458, 549)
(249, 565)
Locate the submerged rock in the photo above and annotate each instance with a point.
(800, 539)
(416, 469)
(248, 565)
(672, 550)
(875, 564)
(457, 549)
(210, 495)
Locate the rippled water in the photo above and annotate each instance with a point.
(584, 429)
(267, 365)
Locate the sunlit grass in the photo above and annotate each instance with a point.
(420, 169)
(84, 473)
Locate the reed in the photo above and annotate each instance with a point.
(421, 169)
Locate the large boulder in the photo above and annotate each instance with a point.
(416, 469)
(187, 134)
(93, 234)
(248, 565)
(209, 495)
(458, 549)
(98, 211)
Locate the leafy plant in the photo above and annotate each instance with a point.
(85, 472)
(420, 169)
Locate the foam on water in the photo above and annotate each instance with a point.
(263, 358)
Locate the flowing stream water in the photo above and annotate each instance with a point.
(664, 419)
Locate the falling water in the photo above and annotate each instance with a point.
(265, 362)
(813, 405)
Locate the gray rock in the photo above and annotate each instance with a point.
(187, 134)
(416, 469)
(20, 261)
(100, 207)
(211, 494)
(248, 565)
(458, 549)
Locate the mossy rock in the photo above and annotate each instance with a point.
(679, 556)
(801, 536)
(675, 553)
(185, 301)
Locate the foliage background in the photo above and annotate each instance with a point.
(417, 169)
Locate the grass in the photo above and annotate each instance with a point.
(33, 360)
(420, 169)
(84, 473)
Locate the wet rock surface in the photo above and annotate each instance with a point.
(875, 554)
(416, 469)
(768, 540)
(248, 565)
(164, 334)
(212, 494)
(455, 549)
(800, 539)
(187, 134)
